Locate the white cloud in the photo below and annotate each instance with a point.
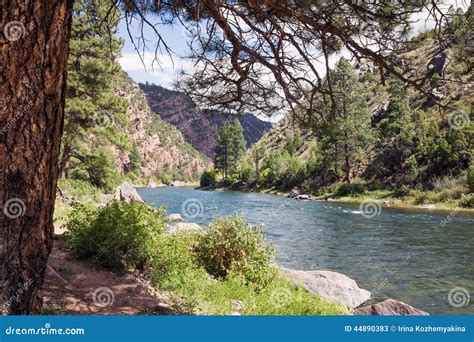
(160, 69)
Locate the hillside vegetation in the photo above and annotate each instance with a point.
(385, 140)
(198, 126)
(110, 133)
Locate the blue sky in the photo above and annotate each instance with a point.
(131, 63)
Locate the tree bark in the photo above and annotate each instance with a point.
(347, 164)
(34, 39)
(64, 164)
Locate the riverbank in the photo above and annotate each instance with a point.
(318, 235)
(414, 200)
(187, 288)
(193, 267)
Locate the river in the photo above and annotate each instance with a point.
(407, 255)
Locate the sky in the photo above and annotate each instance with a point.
(176, 37)
(151, 72)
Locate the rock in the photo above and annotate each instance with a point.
(302, 197)
(436, 64)
(152, 184)
(126, 192)
(175, 217)
(237, 305)
(437, 94)
(427, 206)
(294, 193)
(389, 307)
(329, 285)
(182, 227)
(330, 199)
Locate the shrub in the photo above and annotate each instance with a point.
(247, 172)
(165, 178)
(117, 236)
(401, 191)
(101, 169)
(420, 196)
(446, 182)
(451, 193)
(77, 188)
(232, 245)
(470, 178)
(209, 178)
(350, 189)
(173, 259)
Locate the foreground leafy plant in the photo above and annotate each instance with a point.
(118, 236)
(232, 245)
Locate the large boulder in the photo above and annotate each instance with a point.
(329, 285)
(152, 184)
(126, 192)
(175, 217)
(182, 227)
(389, 307)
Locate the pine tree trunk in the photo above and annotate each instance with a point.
(34, 38)
(347, 164)
(64, 164)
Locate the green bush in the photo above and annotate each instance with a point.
(247, 172)
(165, 178)
(453, 193)
(401, 191)
(101, 169)
(118, 236)
(173, 260)
(351, 189)
(231, 245)
(470, 178)
(209, 178)
(419, 196)
(77, 188)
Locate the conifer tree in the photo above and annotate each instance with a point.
(346, 132)
(230, 147)
(91, 105)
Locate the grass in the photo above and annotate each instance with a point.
(414, 199)
(208, 296)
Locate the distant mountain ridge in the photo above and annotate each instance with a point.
(162, 148)
(199, 127)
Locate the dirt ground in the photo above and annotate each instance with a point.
(76, 287)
